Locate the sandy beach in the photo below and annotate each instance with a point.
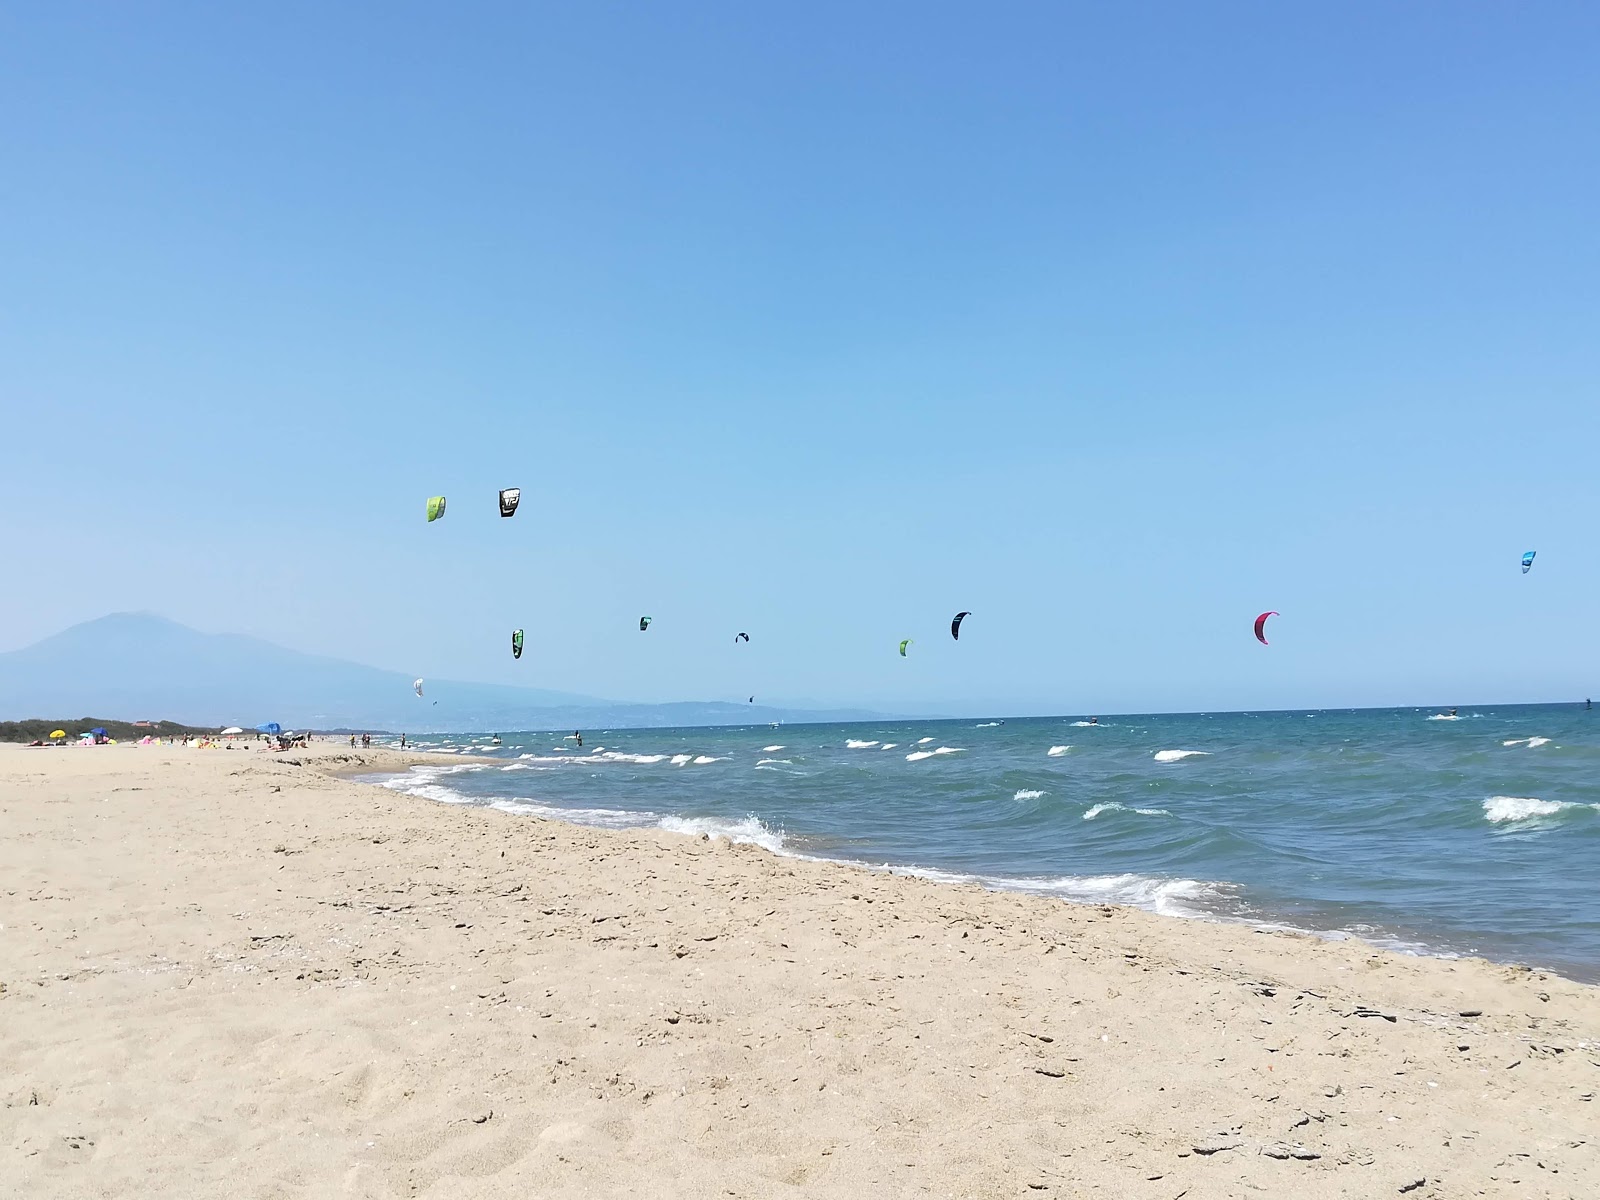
(228, 973)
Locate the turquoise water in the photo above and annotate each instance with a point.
(1479, 835)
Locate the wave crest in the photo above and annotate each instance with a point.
(1501, 809)
(1113, 806)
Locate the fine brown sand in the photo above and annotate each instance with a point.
(227, 973)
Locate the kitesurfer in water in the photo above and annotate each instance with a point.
(578, 737)
(1094, 720)
(1452, 712)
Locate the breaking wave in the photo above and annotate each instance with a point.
(1113, 806)
(1501, 809)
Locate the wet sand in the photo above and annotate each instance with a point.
(229, 973)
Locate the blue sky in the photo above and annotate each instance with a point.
(1113, 324)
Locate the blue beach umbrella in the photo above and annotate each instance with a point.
(98, 731)
(271, 727)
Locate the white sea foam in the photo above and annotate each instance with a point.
(1178, 755)
(1113, 806)
(1443, 717)
(924, 741)
(425, 774)
(951, 750)
(1057, 751)
(856, 744)
(434, 791)
(1171, 897)
(770, 762)
(603, 757)
(749, 831)
(1028, 794)
(1535, 742)
(603, 818)
(771, 749)
(988, 724)
(1086, 725)
(919, 755)
(701, 760)
(889, 746)
(1499, 809)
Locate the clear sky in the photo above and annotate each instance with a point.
(1115, 324)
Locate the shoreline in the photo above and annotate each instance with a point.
(231, 973)
(1582, 974)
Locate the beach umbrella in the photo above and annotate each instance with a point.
(98, 731)
(271, 727)
(232, 729)
(58, 733)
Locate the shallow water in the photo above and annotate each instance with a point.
(1472, 836)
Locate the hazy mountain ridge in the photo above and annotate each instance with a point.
(140, 665)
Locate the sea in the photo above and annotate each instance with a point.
(1477, 834)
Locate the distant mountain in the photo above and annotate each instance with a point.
(141, 666)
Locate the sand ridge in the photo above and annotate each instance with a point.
(230, 974)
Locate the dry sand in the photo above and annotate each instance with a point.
(229, 975)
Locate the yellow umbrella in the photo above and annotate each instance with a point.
(59, 733)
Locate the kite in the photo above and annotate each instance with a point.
(416, 686)
(741, 637)
(1527, 561)
(516, 643)
(955, 625)
(903, 646)
(509, 499)
(435, 507)
(1261, 627)
(644, 623)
